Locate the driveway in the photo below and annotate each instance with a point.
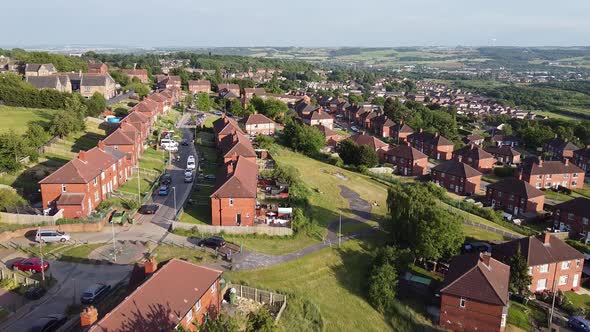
(73, 279)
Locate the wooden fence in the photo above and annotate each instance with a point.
(510, 235)
(259, 229)
(276, 302)
(29, 219)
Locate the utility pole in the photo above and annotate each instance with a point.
(41, 254)
(554, 293)
(174, 193)
(340, 230)
(114, 243)
(138, 184)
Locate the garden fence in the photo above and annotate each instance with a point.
(276, 302)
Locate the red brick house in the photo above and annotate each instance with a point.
(433, 145)
(408, 161)
(223, 88)
(456, 177)
(163, 102)
(475, 157)
(148, 108)
(373, 142)
(332, 137)
(82, 183)
(382, 126)
(551, 174)
(473, 139)
(559, 149)
(573, 216)
(168, 82)
(258, 124)
(582, 158)
(199, 86)
(318, 117)
(140, 74)
(140, 122)
(514, 196)
(233, 202)
(504, 154)
(97, 68)
(225, 126)
(400, 132)
(552, 263)
(126, 140)
(179, 293)
(236, 145)
(251, 92)
(474, 295)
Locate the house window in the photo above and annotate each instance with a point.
(577, 263)
(530, 270)
(538, 185)
(198, 306)
(570, 216)
(541, 284)
(574, 183)
(548, 176)
(565, 265)
(189, 316)
(114, 167)
(563, 280)
(544, 268)
(95, 181)
(231, 202)
(102, 175)
(575, 175)
(503, 321)
(96, 196)
(585, 221)
(63, 188)
(462, 303)
(213, 288)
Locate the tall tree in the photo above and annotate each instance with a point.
(203, 102)
(383, 287)
(520, 280)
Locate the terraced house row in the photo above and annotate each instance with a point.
(84, 182)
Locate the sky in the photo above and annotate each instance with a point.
(304, 23)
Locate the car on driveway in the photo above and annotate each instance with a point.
(149, 208)
(210, 177)
(164, 190)
(50, 235)
(188, 172)
(94, 293)
(578, 324)
(189, 178)
(35, 293)
(218, 113)
(49, 323)
(119, 217)
(213, 242)
(165, 179)
(32, 264)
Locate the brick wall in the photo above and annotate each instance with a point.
(577, 223)
(224, 214)
(553, 180)
(508, 202)
(475, 316)
(455, 184)
(261, 129)
(209, 304)
(547, 274)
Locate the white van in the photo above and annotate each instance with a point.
(51, 235)
(168, 143)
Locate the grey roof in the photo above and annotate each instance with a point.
(43, 82)
(95, 79)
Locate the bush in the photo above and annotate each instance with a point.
(383, 287)
(336, 161)
(130, 204)
(504, 172)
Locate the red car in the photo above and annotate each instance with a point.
(31, 265)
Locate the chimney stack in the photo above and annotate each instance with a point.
(150, 266)
(540, 162)
(567, 161)
(436, 134)
(485, 258)
(230, 168)
(82, 155)
(547, 238)
(421, 129)
(88, 316)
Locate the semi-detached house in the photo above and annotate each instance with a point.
(573, 216)
(551, 174)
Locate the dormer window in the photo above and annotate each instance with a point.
(63, 188)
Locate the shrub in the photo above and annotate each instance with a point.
(504, 172)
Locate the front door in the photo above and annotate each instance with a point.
(575, 284)
(238, 219)
(516, 210)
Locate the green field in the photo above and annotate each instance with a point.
(17, 118)
(332, 279)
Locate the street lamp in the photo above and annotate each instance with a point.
(114, 243)
(174, 193)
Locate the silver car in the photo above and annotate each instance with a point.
(51, 235)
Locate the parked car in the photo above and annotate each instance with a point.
(191, 164)
(210, 177)
(184, 142)
(189, 178)
(165, 179)
(171, 148)
(164, 190)
(218, 113)
(149, 208)
(35, 293)
(32, 264)
(94, 293)
(50, 235)
(188, 172)
(190, 158)
(212, 242)
(119, 217)
(49, 323)
(578, 324)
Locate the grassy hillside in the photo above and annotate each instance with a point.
(17, 117)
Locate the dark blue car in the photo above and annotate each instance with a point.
(164, 190)
(578, 324)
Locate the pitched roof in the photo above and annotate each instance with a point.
(200, 83)
(579, 206)
(550, 167)
(256, 119)
(236, 144)
(456, 168)
(403, 128)
(373, 142)
(406, 152)
(536, 252)
(428, 138)
(326, 131)
(135, 72)
(173, 290)
(517, 187)
(503, 150)
(585, 152)
(256, 91)
(136, 117)
(241, 183)
(44, 82)
(87, 166)
(118, 137)
(96, 79)
(225, 126)
(471, 278)
(71, 199)
(559, 144)
(474, 152)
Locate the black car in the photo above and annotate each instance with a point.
(184, 142)
(213, 242)
(149, 208)
(94, 293)
(165, 179)
(49, 323)
(35, 293)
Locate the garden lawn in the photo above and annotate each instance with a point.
(17, 117)
(332, 279)
(474, 218)
(272, 245)
(323, 183)
(167, 252)
(79, 254)
(518, 316)
(474, 233)
(209, 120)
(579, 300)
